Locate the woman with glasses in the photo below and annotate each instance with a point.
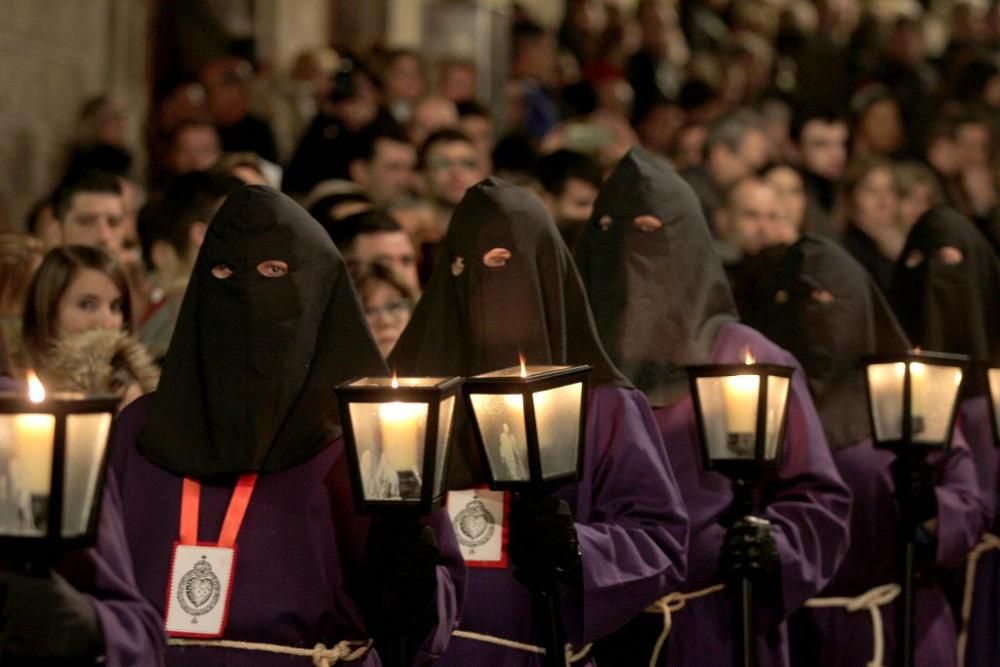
(388, 301)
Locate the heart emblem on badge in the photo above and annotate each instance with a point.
(199, 590)
(473, 525)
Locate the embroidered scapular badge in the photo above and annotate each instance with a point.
(479, 517)
(198, 598)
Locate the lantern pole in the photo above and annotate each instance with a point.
(745, 649)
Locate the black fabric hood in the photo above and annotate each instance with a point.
(659, 296)
(248, 381)
(475, 318)
(946, 287)
(821, 305)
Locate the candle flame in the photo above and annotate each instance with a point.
(524, 369)
(395, 381)
(748, 357)
(36, 391)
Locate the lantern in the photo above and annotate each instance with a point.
(52, 464)
(741, 411)
(397, 432)
(913, 399)
(530, 423)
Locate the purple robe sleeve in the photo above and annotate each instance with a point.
(450, 591)
(133, 630)
(961, 509)
(631, 521)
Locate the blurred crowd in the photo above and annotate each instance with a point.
(837, 117)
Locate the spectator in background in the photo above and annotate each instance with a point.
(77, 321)
(792, 203)
(654, 69)
(375, 237)
(475, 120)
(388, 299)
(227, 80)
(878, 124)
(450, 165)
(194, 146)
(919, 191)
(403, 83)
(749, 221)
(820, 138)
(173, 228)
(91, 211)
(43, 224)
(869, 211)
(455, 79)
(735, 147)
(248, 168)
(569, 185)
(431, 114)
(658, 124)
(688, 151)
(326, 147)
(334, 200)
(533, 70)
(102, 142)
(384, 164)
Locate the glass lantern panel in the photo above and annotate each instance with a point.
(26, 442)
(557, 416)
(885, 389)
(934, 391)
(729, 411)
(445, 413)
(994, 375)
(86, 440)
(777, 400)
(501, 423)
(390, 440)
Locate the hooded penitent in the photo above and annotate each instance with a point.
(818, 303)
(946, 289)
(248, 380)
(504, 285)
(658, 289)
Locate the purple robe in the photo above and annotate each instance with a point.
(632, 528)
(808, 506)
(300, 544)
(845, 639)
(983, 646)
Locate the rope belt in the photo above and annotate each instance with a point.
(571, 657)
(321, 656)
(870, 602)
(669, 604)
(988, 543)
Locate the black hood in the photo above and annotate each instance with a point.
(248, 380)
(659, 296)
(474, 318)
(946, 289)
(821, 305)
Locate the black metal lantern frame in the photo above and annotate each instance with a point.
(905, 437)
(56, 537)
(525, 383)
(744, 468)
(432, 392)
(993, 381)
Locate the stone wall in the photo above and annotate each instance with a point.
(54, 55)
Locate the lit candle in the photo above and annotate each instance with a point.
(33, 438)
(918, 380)
(740, 396)
(402, 430)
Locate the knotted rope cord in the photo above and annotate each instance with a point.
(667, 605)
(988, 543)
(571, 657)
(321, 655)
(869, 601)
